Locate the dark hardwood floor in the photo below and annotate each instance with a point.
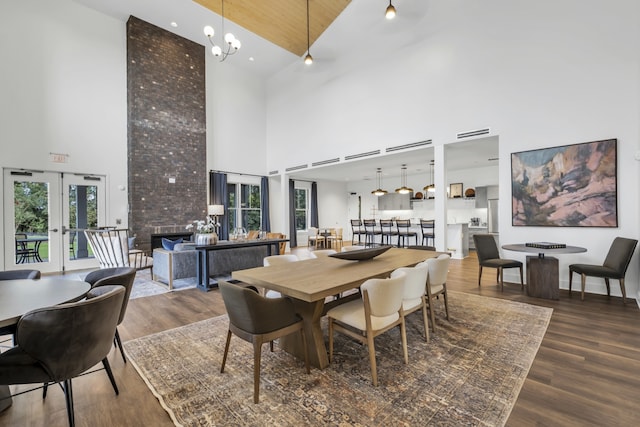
(586, 372)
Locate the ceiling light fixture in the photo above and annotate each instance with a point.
(391, 11)
(379, 191)
(431, 188)
(233, 44)
(403, 182)
(308, 59)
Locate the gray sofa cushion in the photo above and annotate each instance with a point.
(181, 263)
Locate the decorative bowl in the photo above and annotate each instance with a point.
(361, 254)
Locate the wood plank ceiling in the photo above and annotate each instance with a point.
(282, 22)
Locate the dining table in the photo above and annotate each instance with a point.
(20, 296)
(31, 245)
(311, 282)
(543, 279)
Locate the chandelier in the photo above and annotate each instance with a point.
(379, 191)
(403, 182)
(232, 43)
(431, 188)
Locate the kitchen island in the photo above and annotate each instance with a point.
(458, 240)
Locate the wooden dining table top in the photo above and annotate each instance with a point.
(315, 279)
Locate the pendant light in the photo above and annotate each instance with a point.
(308, 59)
(431, 188)
(403, 182)
(379, 191)
(391, 11)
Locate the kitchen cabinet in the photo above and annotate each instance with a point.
(481, 197)
(475, 230)
(394, 202)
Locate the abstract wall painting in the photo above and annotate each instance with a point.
(567, 186)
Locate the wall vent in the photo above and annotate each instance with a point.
(273, 172)
(471, 133)
(326, 162)
(295, 168)
(407, 146)
(361, 155)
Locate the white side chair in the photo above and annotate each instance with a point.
(437, 284)
(321, 253)
(335, 239)
(277, 260)
(414, 297)
(379, 310)
(313, 237)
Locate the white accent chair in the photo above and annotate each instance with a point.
(414, 297)
(111, 249)
(379, 310)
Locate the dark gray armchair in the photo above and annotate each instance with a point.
(16, 275)
(56, 344)
(123, 276)
(489, 256)
(258, 320)
(614, 266)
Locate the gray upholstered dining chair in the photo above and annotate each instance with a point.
(489, 256)
(379, 310)
(123, 276)
(258, 320)
(614, 266)
(56, 344)
(16, 275)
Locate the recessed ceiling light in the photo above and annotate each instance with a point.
(174, 24)
(251, 58)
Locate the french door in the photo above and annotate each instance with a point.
(45, 214)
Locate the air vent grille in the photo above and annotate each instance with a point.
(274, 172)
(295, 168)
(471, 133)
(407, 146)
(326, 162)
(361, 155)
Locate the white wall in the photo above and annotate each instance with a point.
(539, 74)
(63, 90)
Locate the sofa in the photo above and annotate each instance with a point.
(181, 262)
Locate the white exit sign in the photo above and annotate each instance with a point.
(58, 158)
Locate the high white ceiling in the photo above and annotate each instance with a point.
(360, 33)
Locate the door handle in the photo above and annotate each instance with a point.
(55, 230)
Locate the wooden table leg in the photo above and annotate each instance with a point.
(542, 277)
(311, 313)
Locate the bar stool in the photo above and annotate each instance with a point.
(404, 232)
(386, 228)
(371, 232)
(428, 232)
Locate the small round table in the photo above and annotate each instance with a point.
(542, 271)
(20, 296)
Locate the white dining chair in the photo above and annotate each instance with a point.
(379, 310)
(437, 284)
(414, 297)
(277, 260)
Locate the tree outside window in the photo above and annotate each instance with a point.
(247, 213)
(301, 208)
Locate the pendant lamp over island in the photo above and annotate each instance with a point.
(431, 188)
(403, 182)
(379, 191)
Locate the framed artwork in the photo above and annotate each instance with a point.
(567, 186)
(455, 190)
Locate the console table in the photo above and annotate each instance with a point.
(542, 271)
(202, 267)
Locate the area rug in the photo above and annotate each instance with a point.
(144, 285)
(470, 373)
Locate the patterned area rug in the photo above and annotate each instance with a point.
(470, 374)
(144, 286)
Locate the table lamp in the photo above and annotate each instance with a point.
(215, 211)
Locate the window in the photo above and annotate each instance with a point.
(301, 208)
(243, 201)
